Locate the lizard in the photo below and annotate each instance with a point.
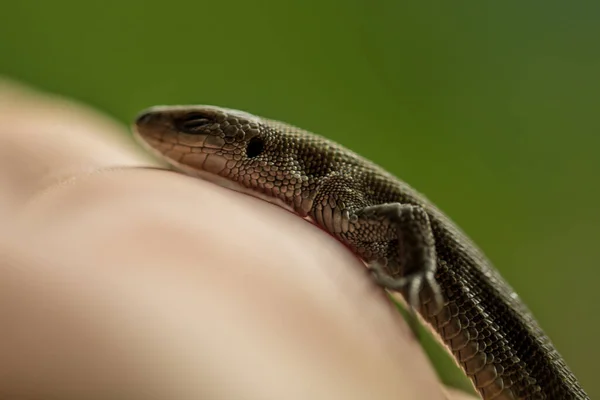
(410, 246)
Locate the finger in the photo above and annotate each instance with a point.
(46, 139)
(143, 283)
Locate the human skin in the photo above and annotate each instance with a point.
(122, 281)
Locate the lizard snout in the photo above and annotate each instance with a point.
(148, 117)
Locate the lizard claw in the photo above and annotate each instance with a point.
(414, 284)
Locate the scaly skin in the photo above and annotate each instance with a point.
(410, 245)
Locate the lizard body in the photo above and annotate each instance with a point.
(408, 243)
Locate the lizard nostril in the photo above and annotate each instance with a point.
(145, 117)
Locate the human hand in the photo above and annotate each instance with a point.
(122, 281)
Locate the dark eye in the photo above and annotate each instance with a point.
(193, 121)
(255, 147)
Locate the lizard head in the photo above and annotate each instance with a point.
(262, 157)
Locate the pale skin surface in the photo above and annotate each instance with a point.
(134, 283)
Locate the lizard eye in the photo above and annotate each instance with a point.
(192, 122)
(255, 147)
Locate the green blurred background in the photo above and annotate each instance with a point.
(490, 108)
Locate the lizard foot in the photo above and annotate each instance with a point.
(412, 285)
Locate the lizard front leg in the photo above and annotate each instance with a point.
(398, 243)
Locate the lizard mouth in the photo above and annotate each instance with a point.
(197, 160)
(156, 129)
(153, 144)
(157, 135)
